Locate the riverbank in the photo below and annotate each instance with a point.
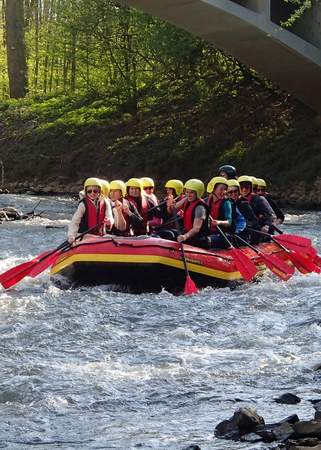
(51, 145)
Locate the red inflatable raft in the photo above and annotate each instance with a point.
(149, 264)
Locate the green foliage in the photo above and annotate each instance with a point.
(300, 7)
(97, 48)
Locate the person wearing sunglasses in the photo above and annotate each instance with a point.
(261, 190)
(93, 210)
(262, 210)
(149, 188)
(233, 193)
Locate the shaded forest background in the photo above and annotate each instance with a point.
(112, 92)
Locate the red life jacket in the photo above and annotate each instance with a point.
(94, 215)
(142, 207)
(189, 216)
(125, 232)
(215, 212)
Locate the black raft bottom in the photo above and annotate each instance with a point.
(136, 278)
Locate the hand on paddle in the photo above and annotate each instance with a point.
(71, 239)
(181, 238)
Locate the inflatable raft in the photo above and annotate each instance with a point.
(148, 264)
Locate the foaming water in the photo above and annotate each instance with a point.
(93, 368)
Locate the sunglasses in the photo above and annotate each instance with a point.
(261, 189)
(94, 191)
(233, 191)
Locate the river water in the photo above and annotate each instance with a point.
(96, 369)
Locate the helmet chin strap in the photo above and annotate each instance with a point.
(215, 196)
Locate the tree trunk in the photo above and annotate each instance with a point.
(16, 50)
(36, 6)
(73, 61)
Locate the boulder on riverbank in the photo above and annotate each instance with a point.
(247, 425)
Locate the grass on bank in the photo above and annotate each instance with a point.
(68, 138)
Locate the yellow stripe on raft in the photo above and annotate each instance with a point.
(147, 259)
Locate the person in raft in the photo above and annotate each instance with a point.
(196, 215)
(222, 214)
(93, 210)
(259, 204)
(233, 192)
(129, 217)
(105, 188)
(168, 228)
(261, 190)
(174, 191)
(135, 195)
(149, 187)
(228, 172)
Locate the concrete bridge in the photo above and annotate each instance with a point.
(250, 31)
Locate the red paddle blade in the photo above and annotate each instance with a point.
(303, 264)
(277, 266)
(14, 279)
(14, 270)
(293, 239)
(190, 287)
(43, 265)
(244, 265)
(317, 260)
(295, 246)
(21, 267)
(300, 265)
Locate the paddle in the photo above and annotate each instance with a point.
(190, 287)
(292, 238)
(161, 204)
(21, 267)
(244, 265)
(293, 242)
(30, 268)
(317, 260)
(276, 265)
(299, 244)
(301, 262)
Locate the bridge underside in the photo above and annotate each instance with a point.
(250, 36)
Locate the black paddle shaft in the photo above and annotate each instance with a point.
(224, 236)
(182, 246)
(65, 245)
(277, 229)
(247, 244)
(271, 238)
(160, 204)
